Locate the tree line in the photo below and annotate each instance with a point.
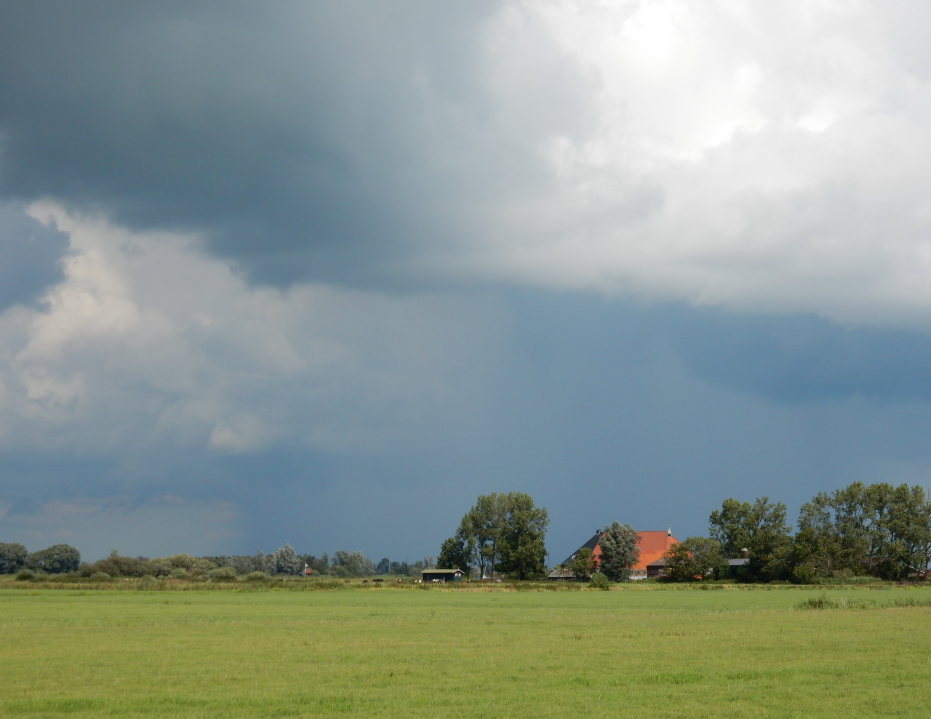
(284, 561)
(877, 530)
(57, 559)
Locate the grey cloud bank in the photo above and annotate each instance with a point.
(290, 272)
(763, 160)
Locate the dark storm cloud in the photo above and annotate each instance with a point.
(304, 139)
(667, 151)
(601, 410)
(29, 256)
(803, 358)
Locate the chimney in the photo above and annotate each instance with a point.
(669, 532)
(744, 552)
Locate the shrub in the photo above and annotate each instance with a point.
(100, 577)
(222, 574)
(57, 559)
(25, 575)
(116, 565)
(257, 577)
(804, 574)
(600, 581)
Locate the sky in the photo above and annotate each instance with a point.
(323, 273)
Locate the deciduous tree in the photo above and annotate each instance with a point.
(12, 557)
(759, 527)
(456, 553)
(57, 559)
(503, 532)
(695, 558)
(873, 529)
(285, 561)
(619, 551)
(582, 565)
(523, 551)
(351, 564)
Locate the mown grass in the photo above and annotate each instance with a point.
(386, 652)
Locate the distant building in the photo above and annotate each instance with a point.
(736, 564)
(652, 544)
(442, 575)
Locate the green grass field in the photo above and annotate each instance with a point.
(392, 652)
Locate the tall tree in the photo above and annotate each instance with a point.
(873, 529)
(351, 564)
(619, 551)
(759, 527)
(523, 551)
(695, 558)
(900, 529)
(57, 559)
(583, 564)
(286, 561)
(503, 532)
(12, 557)
(456, 552)
(832, 534)
(483, 524)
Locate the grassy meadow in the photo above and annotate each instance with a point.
(644, 651)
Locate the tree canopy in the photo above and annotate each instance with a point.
(501, 532)
(759, 527)
(873, 529)
(619, 551)
(12, 557)
(583, 564)
(695, 558)
(57, 559)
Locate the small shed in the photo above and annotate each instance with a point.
(442, 575)
(657, 568)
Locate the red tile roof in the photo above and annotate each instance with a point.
(652, 544)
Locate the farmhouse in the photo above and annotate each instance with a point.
(652, 544)
(442, 575)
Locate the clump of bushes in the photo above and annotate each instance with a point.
(599, 581)
(222, 574)
(25, 575)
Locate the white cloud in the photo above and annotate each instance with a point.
(763, 157)
(148, 341)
